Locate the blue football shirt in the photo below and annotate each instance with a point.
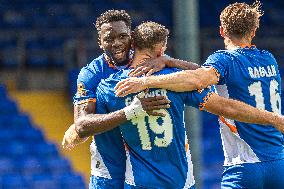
(157, 147)
(107, 149)
(249, 75)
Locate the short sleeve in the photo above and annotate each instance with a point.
(199, 98)
(87, 83)
(219, 62)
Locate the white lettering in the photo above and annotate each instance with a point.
(269, 72)
(262, 72)
(251, 72)
(158, 92)
(258, 72)
(273, 70)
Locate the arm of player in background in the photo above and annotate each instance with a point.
(84, 103)
(98, 123)
(71, 137)
(242, 112)
(180, 81)
(84, 109)
(150, 66)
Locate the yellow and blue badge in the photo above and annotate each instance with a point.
(81, 91)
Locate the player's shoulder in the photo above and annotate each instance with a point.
(267, 53)
(117, 76)
(91, 70)
(263, 53)
(221, 55)
(94, 65)
(113, 79)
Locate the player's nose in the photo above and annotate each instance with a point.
(117, 43)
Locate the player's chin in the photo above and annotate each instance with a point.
(120, 59)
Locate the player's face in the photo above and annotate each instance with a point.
(115, 41)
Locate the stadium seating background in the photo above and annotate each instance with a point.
(56, 35)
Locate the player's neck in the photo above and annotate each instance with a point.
(234, 43)
(140, 57)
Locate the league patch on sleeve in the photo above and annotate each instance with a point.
(81, 91)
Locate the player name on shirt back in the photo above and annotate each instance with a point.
(158, 92)
(258, 72)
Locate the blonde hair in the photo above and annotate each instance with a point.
(149, 34)
(240, 19)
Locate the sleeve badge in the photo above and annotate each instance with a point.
(81, 91)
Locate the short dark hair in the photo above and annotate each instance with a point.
(113, 16)
(149, 34)
(240, 19)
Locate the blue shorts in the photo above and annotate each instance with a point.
(104, 183)
(128, 186)
(262, 175)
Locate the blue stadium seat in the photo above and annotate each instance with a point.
(45, 184)
(38, 59)
(63, 21)
(9, 57)
(34, 43)
(276, 16)
(9, 121)
(52, 42)
(57, 61)
(40, 20)
(14, 181)
(72, 80)
(3, 93)
(5, 119)
(70, 181)
(21, 121)
(8, 107)
(18, 149)
(8, 42)
(45, 150)
(8, 135)
(31, 166)
(58, 166)
(57, 58)
(31, 136)
(7, 166)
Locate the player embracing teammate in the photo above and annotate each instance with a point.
(157, 149)
(254, 154)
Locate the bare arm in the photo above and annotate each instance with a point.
(84, 109)
(242, 112)
(71, 137)
(98, 123)
(181, 64)
(150, 66)
(180, 81)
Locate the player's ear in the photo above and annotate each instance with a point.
(221, 31)
(253, 33)
(161, 51)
